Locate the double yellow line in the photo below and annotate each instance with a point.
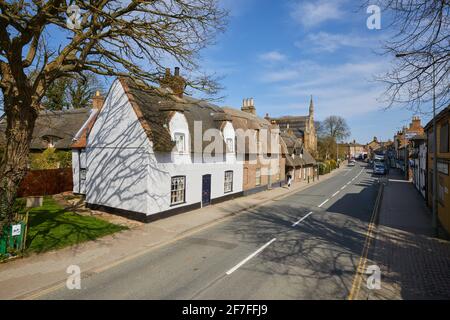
(361, 270)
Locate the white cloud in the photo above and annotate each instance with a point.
(329, 42)
(272, 56)
(313, 13)
(281, 75)
(346, 89)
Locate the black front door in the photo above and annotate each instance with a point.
(206, 190)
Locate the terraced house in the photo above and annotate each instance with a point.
(144, 162)
(442, 155)
(152, 153)
(262, 170)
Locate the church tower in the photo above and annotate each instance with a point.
(312, 143)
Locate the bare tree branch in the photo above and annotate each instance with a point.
(422, 32)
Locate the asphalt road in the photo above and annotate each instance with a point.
(304, 246)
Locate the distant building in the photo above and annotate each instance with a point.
(402, 145)
(353, 150)
(418, 157)
(300, 164)
(373, 146)
(303, 127)
(53, 129)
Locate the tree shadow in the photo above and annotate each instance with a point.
(50, 230)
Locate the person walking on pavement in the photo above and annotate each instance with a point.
(289, 179)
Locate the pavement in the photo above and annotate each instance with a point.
(36, 275)
(295, 244)
(414, 264)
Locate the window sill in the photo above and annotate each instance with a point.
(177, 204)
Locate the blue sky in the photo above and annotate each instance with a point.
(281, 52)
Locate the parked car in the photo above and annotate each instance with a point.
(379, 168)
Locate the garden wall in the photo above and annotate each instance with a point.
(46, 182)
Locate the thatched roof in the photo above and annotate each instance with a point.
(61, 125)
(295, 148)
(154, 108)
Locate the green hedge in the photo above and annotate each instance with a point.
(51, 159)
(327, 166)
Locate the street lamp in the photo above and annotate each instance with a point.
(435, 176)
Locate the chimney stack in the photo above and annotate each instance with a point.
(248, 105)
(97, 100)
(415, 124)
(176, 83)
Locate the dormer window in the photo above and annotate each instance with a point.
(50, 141)
(180, 142)
(230, 145)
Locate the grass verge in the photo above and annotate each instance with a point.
(51, 227)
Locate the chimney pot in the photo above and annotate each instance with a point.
(175, 83)
(248, 106)
(97, 100)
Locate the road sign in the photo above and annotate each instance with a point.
(16, 230)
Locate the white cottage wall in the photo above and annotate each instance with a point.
(117, 156)
(125, 173)
(164, 166)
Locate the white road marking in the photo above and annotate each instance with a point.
(354, 178)
(240, 264)
(336, 193)
(302, 219)
(320, 205)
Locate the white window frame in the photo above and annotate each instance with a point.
(230, 145)
(228, 181)
(83, 174)
(177, 190)
(177, 140)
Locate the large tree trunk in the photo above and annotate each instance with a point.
(21, 117)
